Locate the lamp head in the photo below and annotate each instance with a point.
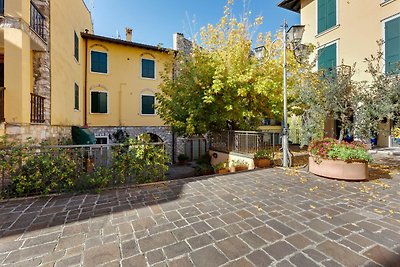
(295, 33)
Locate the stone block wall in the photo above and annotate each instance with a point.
(164, 132)
(37, 132)
(42, 63)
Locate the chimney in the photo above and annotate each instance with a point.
(128, 34)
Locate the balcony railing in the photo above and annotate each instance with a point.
(2, 104)
(1, 7)
(37, 109)
(37, 21)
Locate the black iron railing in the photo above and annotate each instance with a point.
(2, 104)
(1, 7)
(37, 22)
(37, 109)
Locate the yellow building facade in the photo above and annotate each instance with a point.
(56, 73)
(38, 65)
(123, 78)
(346, 32)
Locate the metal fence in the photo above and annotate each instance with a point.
(195, 147)
(248, 142)
(84, 159)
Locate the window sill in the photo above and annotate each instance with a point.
(101, 73)
(151, 79)
(148, 115)
(327, 31)
(93, 113)
(387, 2)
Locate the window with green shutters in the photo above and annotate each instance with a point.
(327, 58)
(76, 97)
(326, 14)
(99, 102)
(99, 62)
(392, 46)
(148, 102)
(148, 68)
(76, 46)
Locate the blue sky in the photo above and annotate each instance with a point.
(154, 21)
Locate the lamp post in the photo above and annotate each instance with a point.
(293, 38)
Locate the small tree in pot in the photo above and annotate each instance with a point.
(263, 158)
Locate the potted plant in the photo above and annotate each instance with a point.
(221, 168)
(182, 159)
(263, 158)
(340, 160)
(239, 165)
(396, 135)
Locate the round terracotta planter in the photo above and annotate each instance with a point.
(338, 169)
(262, 163)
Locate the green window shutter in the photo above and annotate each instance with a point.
(148, 68)
(76, 46)
(99, 62)
(326, 12)
(321, 15)
(99, 102)
(103, 103)
(327, 58)
(392, 46)
(76, 97)
(148, 104)
(331, 14)
(94, 102)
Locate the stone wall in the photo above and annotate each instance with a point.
(182, 44)
(42, 63)
(164, 132)
(37, 132)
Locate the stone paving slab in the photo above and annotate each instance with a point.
(266, 217)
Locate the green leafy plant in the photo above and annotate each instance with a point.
(220, 166)
(264, 154)
(237, 163)
(329, 148)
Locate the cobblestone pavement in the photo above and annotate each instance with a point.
(259, 218)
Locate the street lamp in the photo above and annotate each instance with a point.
(292, 37)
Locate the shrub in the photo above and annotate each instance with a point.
(236, 163)
(329, 148)
(220, 166)
(264, 154)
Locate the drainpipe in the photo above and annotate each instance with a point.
(85, 93)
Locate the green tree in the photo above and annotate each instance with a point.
(222, 81)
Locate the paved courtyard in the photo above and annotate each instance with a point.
(260, 218)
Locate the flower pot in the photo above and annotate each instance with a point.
(241, 168)
(222, 171)
(338, 169)
(262, 163)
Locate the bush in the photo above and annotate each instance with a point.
(263, 154)
(220, 166)
(43, 172)
(329, 148)
(33, 169)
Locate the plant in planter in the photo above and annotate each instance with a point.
(340, 160)
(396, 134)
(239, 165)
(263, 158)
(221, 168)
(182, 159)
